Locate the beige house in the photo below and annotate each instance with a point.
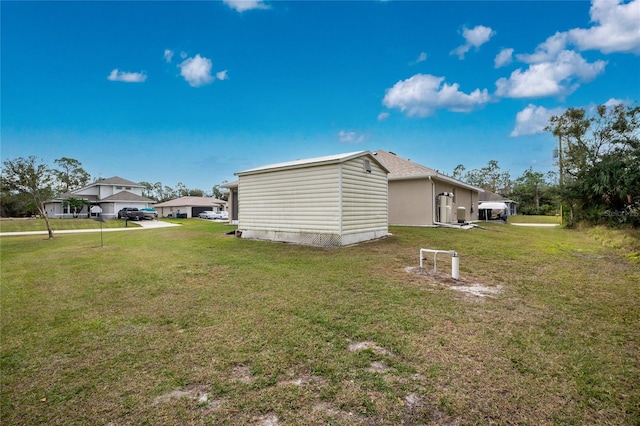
(106, 196)
(420, 196)
(189, 206)
(326, 201)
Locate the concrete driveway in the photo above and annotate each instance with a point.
(154, 224)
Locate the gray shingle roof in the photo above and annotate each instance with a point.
(116, 180)
(400, 168)
(192, 201)
(127, 196)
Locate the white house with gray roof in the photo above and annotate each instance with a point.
(110, 195)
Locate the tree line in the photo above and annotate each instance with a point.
(27, 183)
(160, 193)
(598, 177)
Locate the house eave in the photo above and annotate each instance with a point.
(437, 177)
(313, 162)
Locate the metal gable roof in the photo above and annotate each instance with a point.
(317, 161)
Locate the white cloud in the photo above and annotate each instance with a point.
(558, 78)
(383, 116)
(556, 71)
(244, 5)
(617, 28)
(422, 94)
(613, 102)
(421, 58)
(503, 58)
(222, 75)
(547, 51)
(168, 55)
(474, 37)
(533, 119)
(350, 137)
(127, 77)
(196, 71)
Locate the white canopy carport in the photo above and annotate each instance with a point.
(492, 206)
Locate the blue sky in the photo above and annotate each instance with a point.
(192, 92)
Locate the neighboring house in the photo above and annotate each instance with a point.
(110, 195)
(420, 196)
(191, 206)
(327, 201)
(232, 202)
(491, 197)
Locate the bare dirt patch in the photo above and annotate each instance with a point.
(461, 285)
(412, 401)
(361, 346)
(196, 393)
(242, 373)
(268, 420)
(378, 367)
(340, 416)
(304, 380)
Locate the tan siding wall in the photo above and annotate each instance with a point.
(411, 202)
(299, 200)
(364, 197)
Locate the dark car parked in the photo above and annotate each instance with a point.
(130, 213)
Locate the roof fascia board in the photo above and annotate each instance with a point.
(321, 161)
(438, 177)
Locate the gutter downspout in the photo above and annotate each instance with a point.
(433, 201)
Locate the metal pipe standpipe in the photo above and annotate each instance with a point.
(455, 261)
(455, 267)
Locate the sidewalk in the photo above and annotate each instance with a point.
(535, 224)
(143, 224)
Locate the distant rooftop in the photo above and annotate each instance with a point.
(193, 201)
(115, 180)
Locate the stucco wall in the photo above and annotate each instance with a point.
(411, 202)
(463, 198)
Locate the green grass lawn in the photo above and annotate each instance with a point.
(23, 225)
(520, 218)
(187, 325)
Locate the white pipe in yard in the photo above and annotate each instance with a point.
(455, 261)
(455, 267)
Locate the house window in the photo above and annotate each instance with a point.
(118, 187)
(367, 166)
(128, 188)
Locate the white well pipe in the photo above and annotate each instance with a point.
(455, 267)
(455, 261)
